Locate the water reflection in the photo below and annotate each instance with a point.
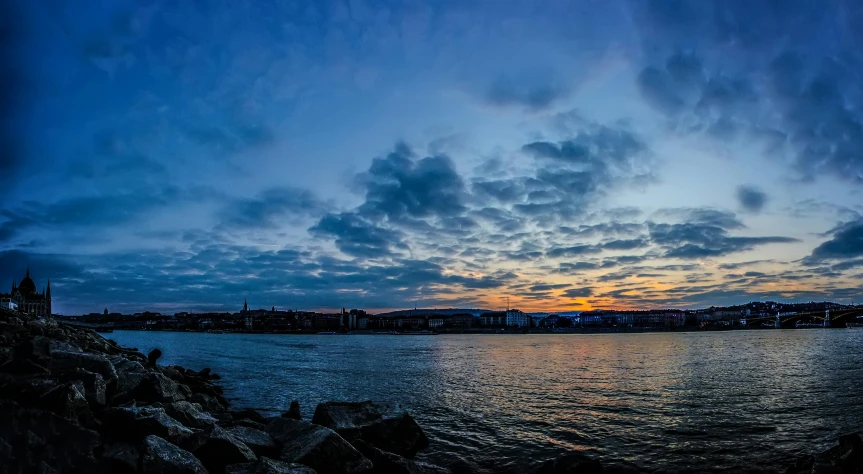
(732, 401)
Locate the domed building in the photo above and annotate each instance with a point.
(28, 299)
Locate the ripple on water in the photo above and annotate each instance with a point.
(737, 401)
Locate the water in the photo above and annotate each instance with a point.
(731, 401)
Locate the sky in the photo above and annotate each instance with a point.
(566, 155)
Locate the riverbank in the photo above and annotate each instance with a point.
(28, 340)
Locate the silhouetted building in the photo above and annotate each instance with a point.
(27, 299)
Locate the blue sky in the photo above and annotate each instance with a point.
(565, 154)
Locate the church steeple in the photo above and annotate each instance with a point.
(245, 306)
(48, 290)
(28, 272)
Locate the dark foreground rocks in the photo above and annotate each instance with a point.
(844, 458)
(74, 402)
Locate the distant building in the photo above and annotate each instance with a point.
(517, 318)
(27, 299)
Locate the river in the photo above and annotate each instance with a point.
(730, 401)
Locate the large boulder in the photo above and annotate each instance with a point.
(68, 401)
(570, 463)
(269, 466)
(217, 448)
(210, 403)
(189, 414)
(129, 373)
(346, 415)
(258, 441)
(390, 463)
(67, 361)
(316, 446)
(155, 387)
(162, 457)
(365, 421)
(31, 437)
(121, 458)
(136, 423)
(847, 456)
(93, 384)
(294, 411)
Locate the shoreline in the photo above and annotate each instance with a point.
(95, 406)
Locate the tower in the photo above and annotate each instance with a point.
(245, 306)
(827, 318)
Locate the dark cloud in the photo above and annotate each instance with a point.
(401, 187)
(625, 244)
(16, 91)
(531, 94)
(704, 235)
(847, 242)
(101, 210)
(270, 208)
(751, 198)
(722, 68)
(585, 292)
(573, 251)
(357, 237)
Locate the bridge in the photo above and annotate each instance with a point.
(837, 318)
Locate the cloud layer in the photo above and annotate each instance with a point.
(564, 155)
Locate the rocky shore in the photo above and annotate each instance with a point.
(73, 402)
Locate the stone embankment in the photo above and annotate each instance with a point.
(74, 402)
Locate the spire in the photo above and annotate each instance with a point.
(245, 305)
(28, 272)
(48, 290)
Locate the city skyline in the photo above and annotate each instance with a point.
(565, 155)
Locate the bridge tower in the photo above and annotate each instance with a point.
(778, 323)
(827, 318)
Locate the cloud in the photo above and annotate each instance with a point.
(584, 292)
(357, 237)
(748, 67)
(401, 187)
(269, 208)
(847, 243)
(535, 95)
(751, 198)
(705, 235)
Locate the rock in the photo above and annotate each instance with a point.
(37, 437)
(346, 415)
(162, 457)
(269, 466)
(136, 423)
(129, 373)
(246, 422)
(258, 441)
(65, 361)
(27, 391)
(121, 458)
(189, 414)
(847, 456)
(155, 387)
(570, 463)
(153, 356)
(248, 414)
(210, 403)
(23, 367)
(401, 435)
(68, 401)
(316, 446)
(217, 448)
(390, 463)
(364, 420)
(172, 372)
(294, 411)
(94, 386)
